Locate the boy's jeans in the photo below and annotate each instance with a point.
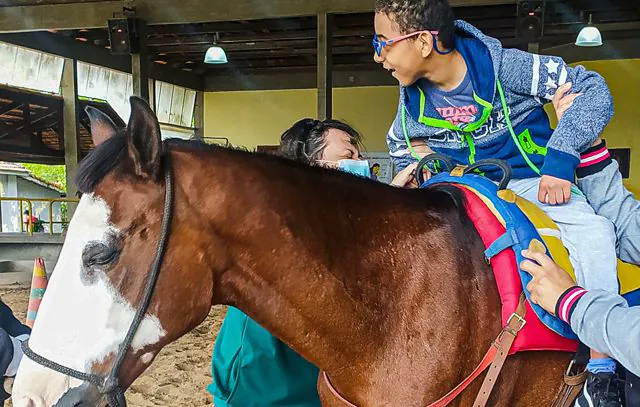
(589, 238)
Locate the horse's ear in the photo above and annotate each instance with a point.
(143, 139)
(102, 127)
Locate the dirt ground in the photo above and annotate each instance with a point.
(180, 373)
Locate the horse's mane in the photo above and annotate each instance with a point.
(428, 196)
(108, 155)
(105, 157)
(99, 162)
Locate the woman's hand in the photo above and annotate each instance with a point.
(561, 101)
(407, 177)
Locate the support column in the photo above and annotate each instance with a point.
(70, 114)
(140, 63)
(325, 67)
(198, 116)
(152, 94)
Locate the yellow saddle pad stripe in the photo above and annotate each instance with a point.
(629, 277)
(549, 232)
(628, 274)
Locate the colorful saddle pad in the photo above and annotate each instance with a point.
(507, 224)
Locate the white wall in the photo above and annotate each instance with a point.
(175, 132)
(27, 68)
(28, 189)
(13, 186)
(9, 188)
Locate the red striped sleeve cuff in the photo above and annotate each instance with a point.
(593, 160)
(567, 302)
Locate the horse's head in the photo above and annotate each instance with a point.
(99, 280)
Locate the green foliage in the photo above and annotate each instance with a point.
(64, 215)
(50, 173)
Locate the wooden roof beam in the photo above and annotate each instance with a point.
(96, 14)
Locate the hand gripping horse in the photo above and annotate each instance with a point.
(384, 289)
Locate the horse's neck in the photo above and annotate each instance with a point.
(366, 313)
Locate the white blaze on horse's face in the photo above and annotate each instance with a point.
(79, 323)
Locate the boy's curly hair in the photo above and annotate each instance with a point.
(416, 15)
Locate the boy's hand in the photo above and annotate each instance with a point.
(554, 191)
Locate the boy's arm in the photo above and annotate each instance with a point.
(540, 76)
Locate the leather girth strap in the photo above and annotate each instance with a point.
(495, 357)
(503, 344)
(571, 388)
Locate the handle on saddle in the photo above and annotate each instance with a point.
(506, 170)
(448, 163)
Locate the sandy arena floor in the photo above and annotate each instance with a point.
(179, 375)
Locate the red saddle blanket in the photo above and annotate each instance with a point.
(535, 335)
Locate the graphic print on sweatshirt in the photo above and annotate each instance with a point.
(456, 106)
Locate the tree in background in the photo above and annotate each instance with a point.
(51, 173)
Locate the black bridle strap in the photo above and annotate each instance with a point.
(87, 377)
(110, 385)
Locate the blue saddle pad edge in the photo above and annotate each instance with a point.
(517, 221)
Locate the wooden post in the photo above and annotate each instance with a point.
(325, 68)
(198, 116)
(140, 64)
(70, 113)
(152, 94)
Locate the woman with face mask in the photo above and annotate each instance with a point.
(336, 144)
(250, 366)
(321, 141)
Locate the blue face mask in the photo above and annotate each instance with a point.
(356, 167)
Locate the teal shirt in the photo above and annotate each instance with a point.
(252, 368)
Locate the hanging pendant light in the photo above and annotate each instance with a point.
(589, 36)
(215, 54)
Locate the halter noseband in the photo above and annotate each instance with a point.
(109, 386)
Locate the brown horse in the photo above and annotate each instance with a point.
(384, 289)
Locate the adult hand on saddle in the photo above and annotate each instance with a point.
(554, 191)
(561, 102)
(407, 177)
(549, 280)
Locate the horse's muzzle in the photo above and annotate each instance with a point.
(86, 395)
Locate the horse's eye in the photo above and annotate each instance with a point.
(99, 254)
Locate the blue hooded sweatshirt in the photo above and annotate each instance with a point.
(510, 87)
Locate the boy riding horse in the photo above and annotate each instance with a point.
(469, 98)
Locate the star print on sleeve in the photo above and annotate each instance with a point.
(552, 66)
(556, 75)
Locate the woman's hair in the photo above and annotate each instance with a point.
(305, 140)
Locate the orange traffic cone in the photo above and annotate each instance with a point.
(38, 287)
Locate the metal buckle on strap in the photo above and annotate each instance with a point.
(570, 368)
(521, 320)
